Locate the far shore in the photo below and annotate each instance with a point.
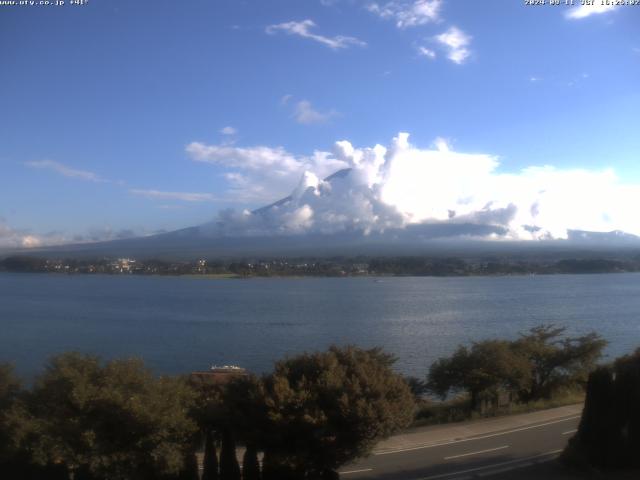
(373, 276)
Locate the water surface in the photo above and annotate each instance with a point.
(179, 324)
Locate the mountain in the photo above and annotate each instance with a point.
(344, 214)
(196, 242)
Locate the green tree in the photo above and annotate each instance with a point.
(417, 386)
(114, 420)
(235, 411)
(15, 461)
(10, 389)
(190, 467)
(276, 467)
(486, 368)
(533, 366)
(245, 411)
(556, 361)
(326, 409)
(244, 398)
(10, 386)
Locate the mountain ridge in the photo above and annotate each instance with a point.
(251, 233)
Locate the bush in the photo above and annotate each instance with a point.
(113, 420)
(329, 408)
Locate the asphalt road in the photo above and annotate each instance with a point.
(479, 456)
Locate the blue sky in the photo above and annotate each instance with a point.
(101, 102)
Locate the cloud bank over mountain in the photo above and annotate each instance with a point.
(402, 192)
(381, 188)
(15, 238)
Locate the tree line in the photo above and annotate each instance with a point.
(533, 367)
(87, 419)
(325, 267)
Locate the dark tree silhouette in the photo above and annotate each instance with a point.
(250, 464)
(210, 463)
(229, 468)
(609, 433)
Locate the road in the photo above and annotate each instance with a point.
(471, 450)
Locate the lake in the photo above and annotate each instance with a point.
(180, 324)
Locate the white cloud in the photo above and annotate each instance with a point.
(260, 173)
(407, 13)
(426, 52)
(65, 170)
(228, 131)
(302, 29)
(182, 196)
(306, 115)
(456, 43)
(583, 11)
(402, 185)
(13, 238)
(442, 144)
(249, 158)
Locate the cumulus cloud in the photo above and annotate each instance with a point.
(377, 189)
(12, 238)
(583, 11)
(456, 43)
(228, 131)
(15, 238)
(261, 173)
(408, 13)
(65, 170)
(303, 29)
(305, 114)
(182, 196)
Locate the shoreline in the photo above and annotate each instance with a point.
(373, 276)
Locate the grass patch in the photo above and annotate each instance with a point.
(432, 412)
(458, 409)
(568, 397)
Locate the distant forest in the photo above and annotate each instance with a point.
(326, 267)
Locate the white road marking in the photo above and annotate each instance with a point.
(482, 437)
(495, 465)
(569, 432)
(356, 471)
(476, 453)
